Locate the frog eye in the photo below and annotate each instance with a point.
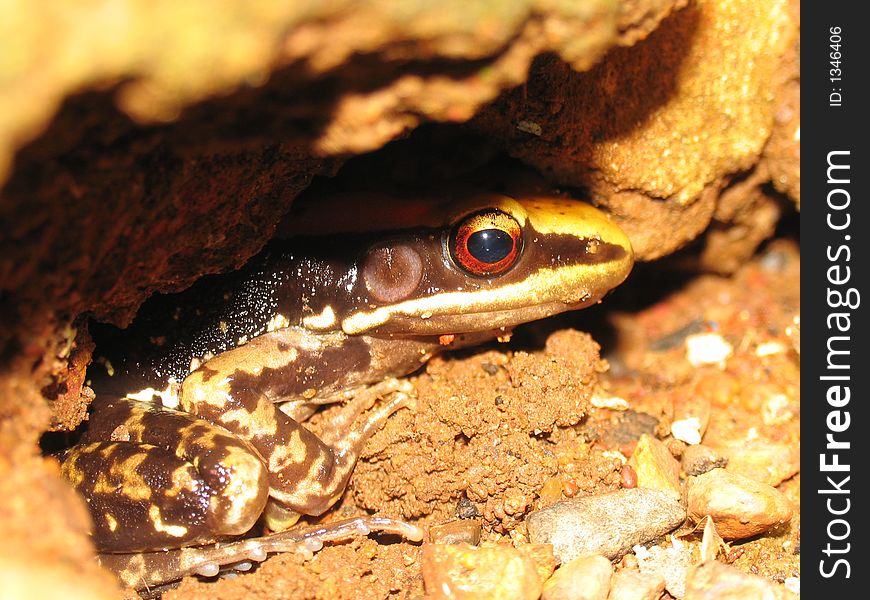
(486, 242)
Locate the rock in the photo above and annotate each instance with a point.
(708, 349)
(691, 417)
(716, 581)
(740, 507)
(587, 577)
(622, 431)
(608, 524)
(462, 572)
(456, 532)
(763, 460)
(465, 509)
(671, 563)
(699, 459)
(656, 469)
(542, 556)
(633, 585)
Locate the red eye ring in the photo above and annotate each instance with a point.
(486, 243)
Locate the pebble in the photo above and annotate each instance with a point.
(656, 469)
(687, 430)
(699, 459)
(609, 524)
(708, 349)
(542, 556)
(740, 507)
(622, 431)
(587, 577)
(465, 509)
(462, 572)
(633, 585)
(691, 417)
(793, 584)
(713, 580)
(763, 460)
(456, 532)
(671, 563)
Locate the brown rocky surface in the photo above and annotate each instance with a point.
(141, 149)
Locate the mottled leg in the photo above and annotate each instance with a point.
(155, 477)
(238, 390)
(154, 568)
(346, 438)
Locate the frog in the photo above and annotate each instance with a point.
(197, 431)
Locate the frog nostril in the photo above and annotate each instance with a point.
(392, 272)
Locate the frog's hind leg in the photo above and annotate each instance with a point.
(154, 568)
(155, 477)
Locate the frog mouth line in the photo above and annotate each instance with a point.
(565, 288)
(494, 321)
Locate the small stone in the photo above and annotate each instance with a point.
(542, 556)
(740, 507)
(708, 349)
(716, 581)
(687, 430)
(462, 572)
(609, 524)
(587, 577)
(611, 402)
(792, 584)
(623, 430)
(456, 532)
(769, 349)
(628, 476)
(633, 585)
(763, 460)
(671, 563)
(465, 509)
(656, 469)
(489, 368)
(691, 417)
(699, 459)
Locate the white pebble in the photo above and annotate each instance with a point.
(687, 430)
(611, 402)
(769, 349)
(707, 349)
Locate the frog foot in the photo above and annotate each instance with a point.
(400, 394)
(148, 569)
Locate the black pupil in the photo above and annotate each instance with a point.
(489, 245)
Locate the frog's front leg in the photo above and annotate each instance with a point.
(238, 390)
